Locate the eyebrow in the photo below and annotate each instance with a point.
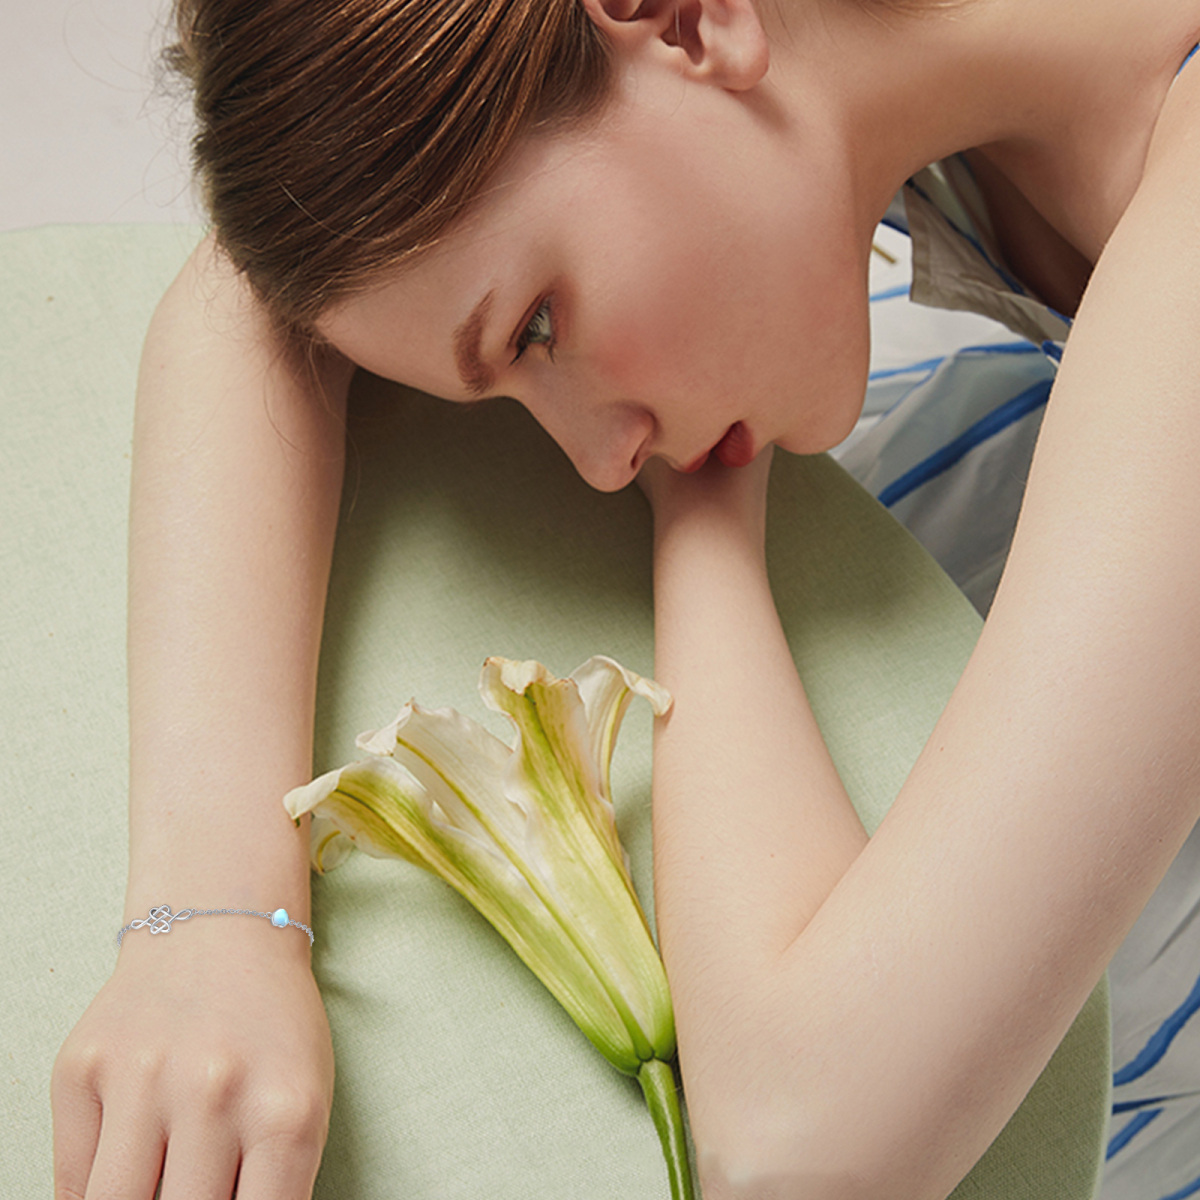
(476, 374)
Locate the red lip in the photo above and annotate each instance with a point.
(736, 448)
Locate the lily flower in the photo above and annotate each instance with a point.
(527, 835)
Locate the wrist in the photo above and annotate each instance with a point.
(170, 931)
(717, 501)
(712, 535)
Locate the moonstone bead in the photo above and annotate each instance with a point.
(279, 918)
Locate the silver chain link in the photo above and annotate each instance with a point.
(161, 919)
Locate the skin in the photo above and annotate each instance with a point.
(207, 1059)
(664, 333)
(765, 910)
(724, 202)
(727, 200)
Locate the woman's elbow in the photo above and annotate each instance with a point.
(746, 1163)
(783, 1132)
(763, 1142)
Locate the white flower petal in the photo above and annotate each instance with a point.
(607, 689)
(328, 846)
(555, 773)
(304, 799)
(461, 765)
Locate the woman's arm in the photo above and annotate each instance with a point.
(207, 1055)
(763, 789)
(883, 1049)
(238, 451)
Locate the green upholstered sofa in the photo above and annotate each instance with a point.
(463, 534)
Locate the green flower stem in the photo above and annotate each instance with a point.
(662, 1098)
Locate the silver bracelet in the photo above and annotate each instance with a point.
(160, 919)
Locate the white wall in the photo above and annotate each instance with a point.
(86, 134)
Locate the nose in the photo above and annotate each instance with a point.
(609, 447)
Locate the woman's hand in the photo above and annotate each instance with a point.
(208, 1048)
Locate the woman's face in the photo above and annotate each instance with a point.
(686, 267)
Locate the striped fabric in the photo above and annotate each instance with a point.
(956, 397)
(955, 400)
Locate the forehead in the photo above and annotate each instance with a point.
(500, 242)
(558, 205)
(602, 207)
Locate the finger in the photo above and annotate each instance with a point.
(129, 1154)
(281, 1159)
(202, 1161)
(75, 1115)
(280, 1169)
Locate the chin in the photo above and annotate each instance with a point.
(817, 437)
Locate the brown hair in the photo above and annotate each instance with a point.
(338, 138)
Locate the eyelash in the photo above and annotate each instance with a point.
(544, 336)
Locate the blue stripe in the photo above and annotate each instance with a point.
(891, 293)
(1130, 1131)
(1124, 1106)
(930, 364)
(1161, 1040)
(1187, 60)
(943, 459)
(1188, 1189)
(1021, 347)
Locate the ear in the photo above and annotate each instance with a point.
(715, 41)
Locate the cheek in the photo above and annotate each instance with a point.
(640, 337)
(674, 325)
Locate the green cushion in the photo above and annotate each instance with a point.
(464, 533)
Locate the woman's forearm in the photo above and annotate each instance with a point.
(752, 826)
(237, 469)
(743, 780)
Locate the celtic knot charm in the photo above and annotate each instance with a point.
(160, 919)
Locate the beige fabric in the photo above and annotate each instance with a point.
(956, 272)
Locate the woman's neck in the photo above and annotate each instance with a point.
(1061, 98)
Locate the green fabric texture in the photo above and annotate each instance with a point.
(464, 533)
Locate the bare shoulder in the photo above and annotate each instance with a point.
(1172, 172)
(1104, 574)
(1146, 284)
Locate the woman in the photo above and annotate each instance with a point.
(620, 215)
